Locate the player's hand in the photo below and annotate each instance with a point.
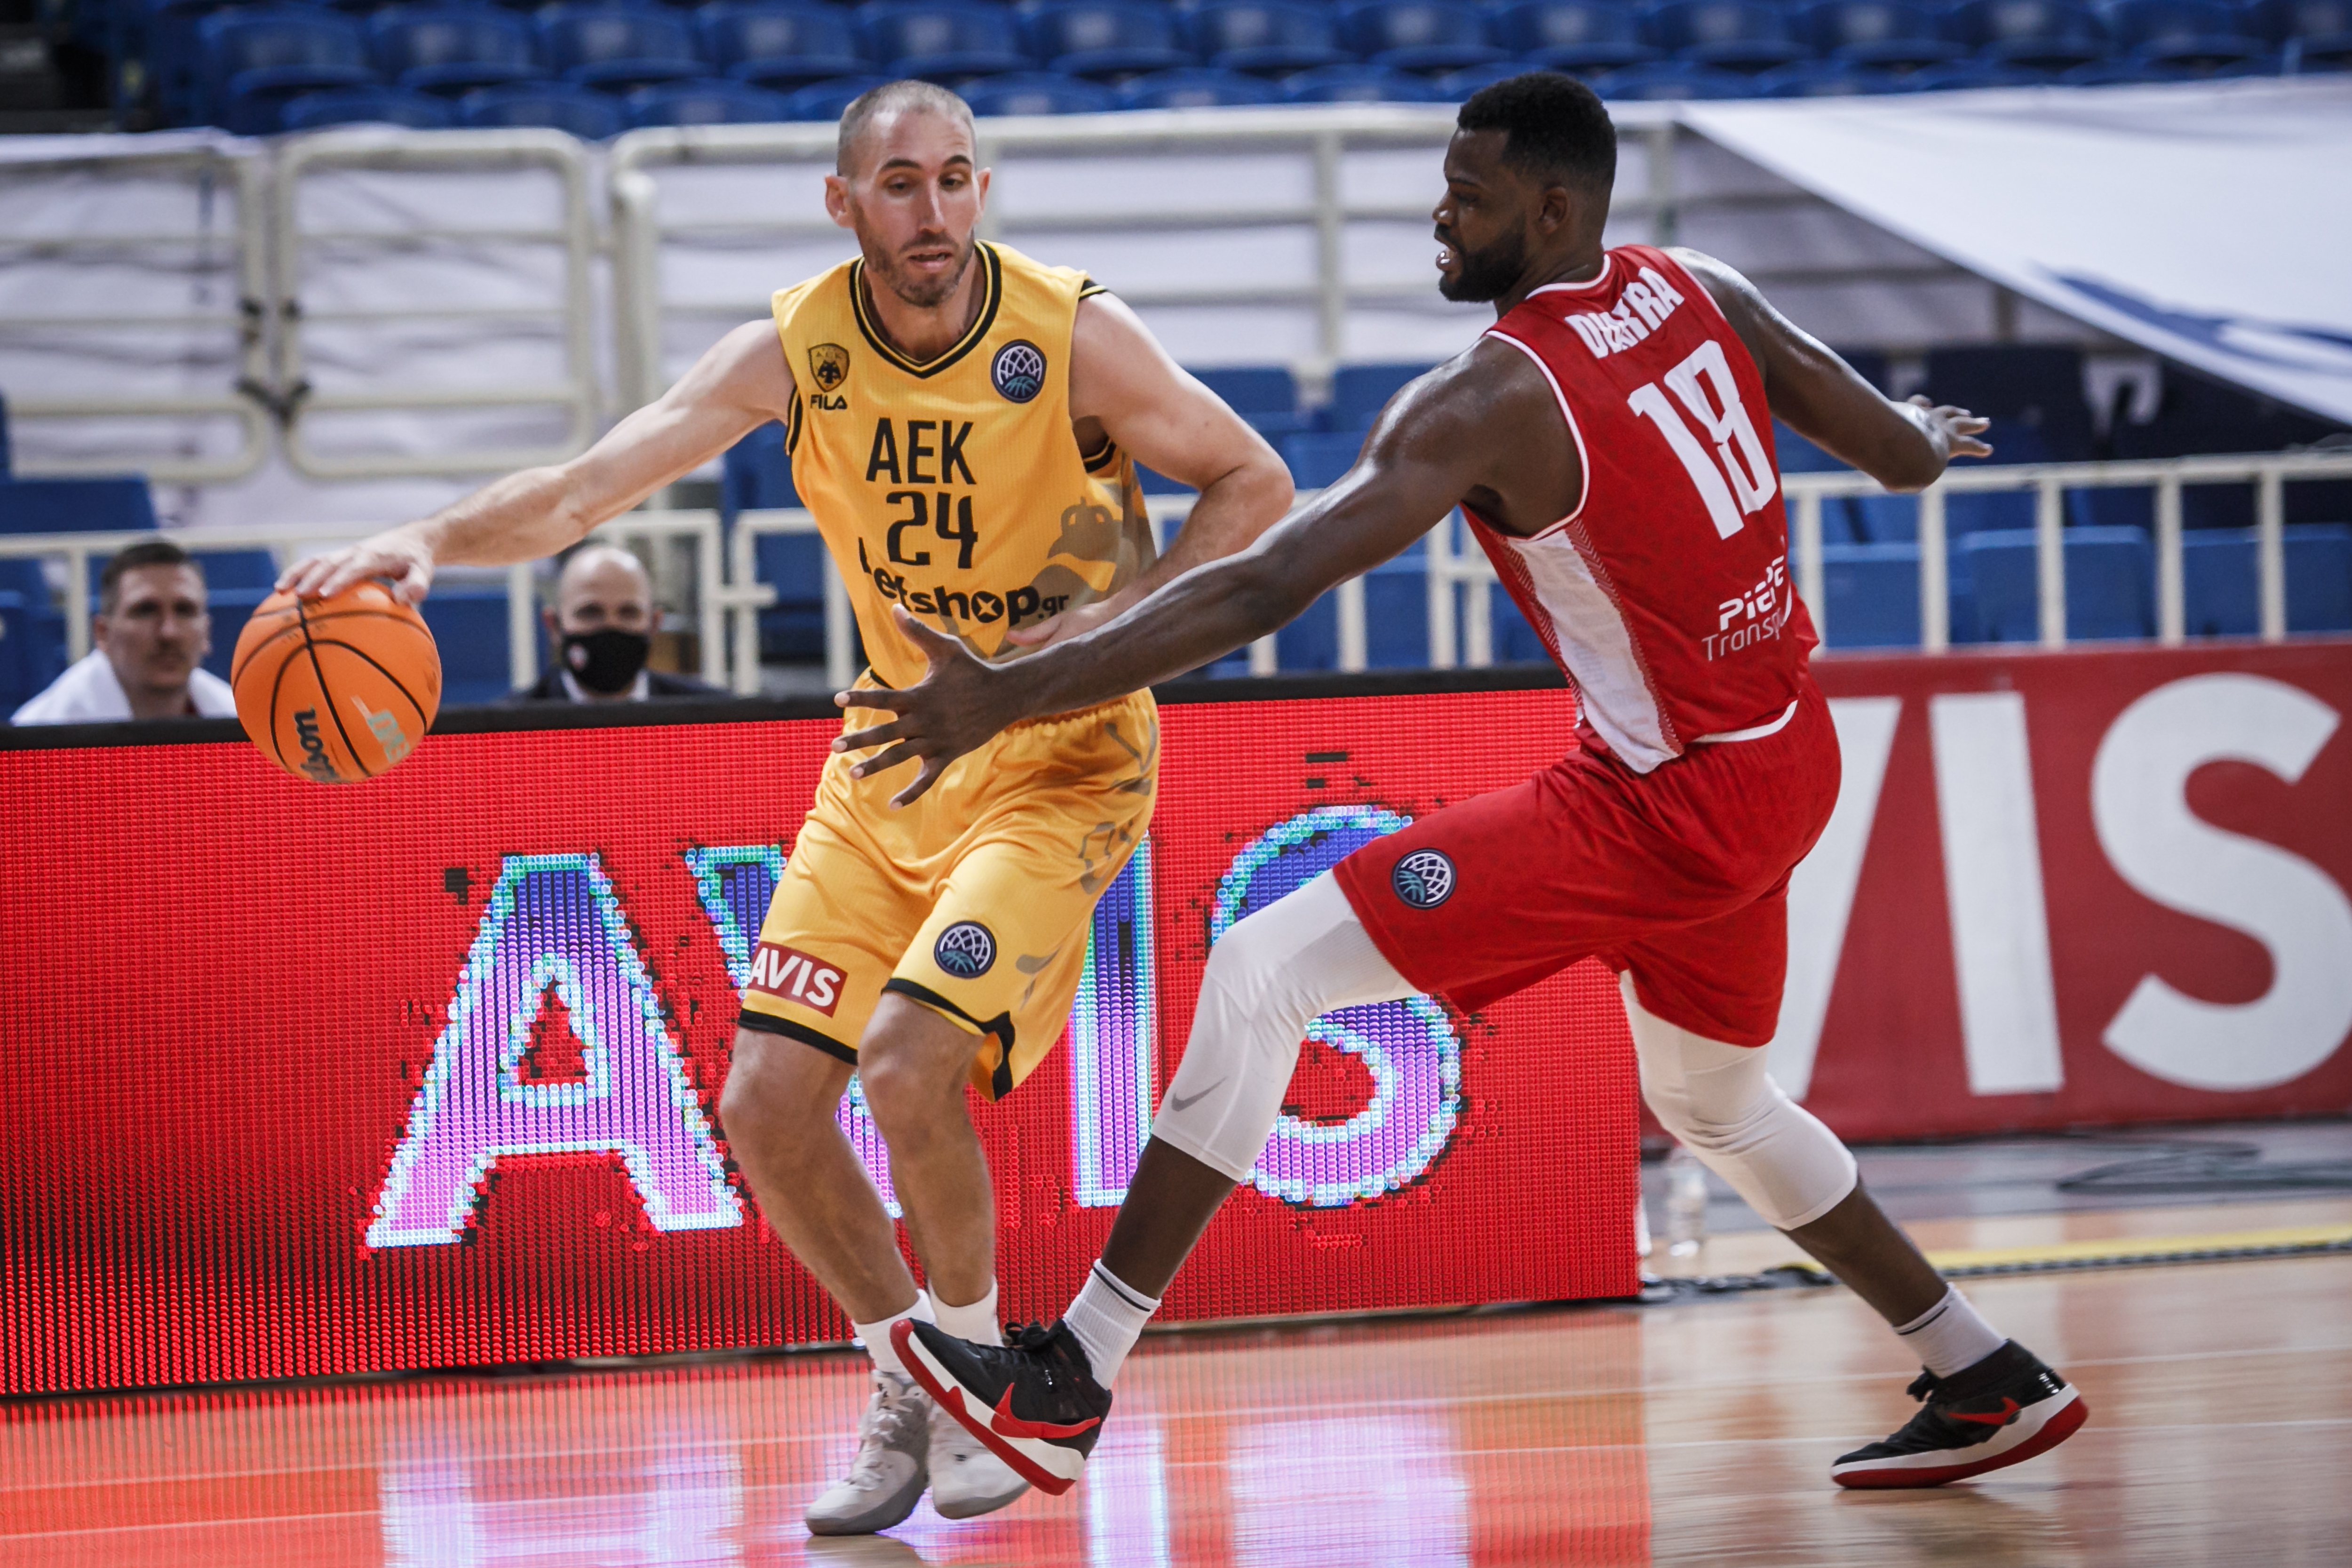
(395, 556)
(1068, 624)
(951, 710)
(1957, 428)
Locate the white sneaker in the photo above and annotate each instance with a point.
(967, 1479)
(886, 1479)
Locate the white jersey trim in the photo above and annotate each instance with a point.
(1583, 467)
(1608, 264)
(1754, 731)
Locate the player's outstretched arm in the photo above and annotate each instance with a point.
(1125, 387)
(740, 384)
(1483, 428)
(1903, 445)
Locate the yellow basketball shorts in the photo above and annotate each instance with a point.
(974, 902)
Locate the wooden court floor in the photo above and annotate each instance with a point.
(2220, 1433)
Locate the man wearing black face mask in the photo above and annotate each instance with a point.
(602, 624)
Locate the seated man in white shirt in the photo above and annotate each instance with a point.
(151, 631)
(602, 625)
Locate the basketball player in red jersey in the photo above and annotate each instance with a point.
(1610, 438)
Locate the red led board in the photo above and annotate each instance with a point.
(425, 1072)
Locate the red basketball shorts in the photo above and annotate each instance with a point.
(1680, 876)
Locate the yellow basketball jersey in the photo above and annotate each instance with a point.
(955, 487)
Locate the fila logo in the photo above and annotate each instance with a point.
(1643, 307)
(795, 977)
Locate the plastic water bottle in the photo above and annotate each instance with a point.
(1686, 1203)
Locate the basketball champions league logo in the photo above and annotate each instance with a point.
(1019, 371)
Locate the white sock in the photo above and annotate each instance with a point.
(1107, 1318)
(976, 1322)
(1949, 1336)
(876, 1337)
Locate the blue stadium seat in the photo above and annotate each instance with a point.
(2199, 33)
(1396, 621)
(2219, 591)
(1361, 390)
(703, 100)
(1825, 79)
(1270, 37)
(256, 58)
(1104, 38)
(1895, 33)
(1417, 35)
(2130, 71)
(1197, 87)
(367, 106)
(2307, 33)
(1318, 458)
(1038, 93)
(825, 100)
(1795, 455)
(1968, 75)
(756, 474)
(1265, 395)
(1729, 35)
(1396, 611)
(2045, 34)
(1453, 86)
(617, 48)
(941, 40)
(1871, 595)
(451, 49)
(1356, 84)
(1573, 34)
(108, 505)
(780, 44)
(2110, 585)
(1667, 80)
(1511, 638)
(165, 32)
(2039, 385)
(558, 106)
(32, 633)
(469, 623)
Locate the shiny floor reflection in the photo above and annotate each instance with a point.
(2222, 1432)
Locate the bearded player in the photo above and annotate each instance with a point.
(964, 423)
(1610, 439)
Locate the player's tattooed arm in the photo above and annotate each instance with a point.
(740, 383)
(1125, 388)
(1483, 428)
(1903, 445)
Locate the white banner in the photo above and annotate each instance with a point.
(2212, 223)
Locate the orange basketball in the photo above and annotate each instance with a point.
(340, 688)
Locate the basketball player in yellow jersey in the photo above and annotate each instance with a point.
(965, 423)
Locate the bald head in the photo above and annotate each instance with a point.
(873, 108)
(600, 587)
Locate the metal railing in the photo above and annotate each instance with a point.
(385, 150)
(1451, 566)
(77, 551)
(237, 253)
(728, 595)
(1338, 191)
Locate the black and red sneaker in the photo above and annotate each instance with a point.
(1032, 1400)
(2002, 1411)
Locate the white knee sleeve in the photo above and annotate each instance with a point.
(1718, 1102)
(1267, 978)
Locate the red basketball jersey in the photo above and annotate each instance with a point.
(1665, 592)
